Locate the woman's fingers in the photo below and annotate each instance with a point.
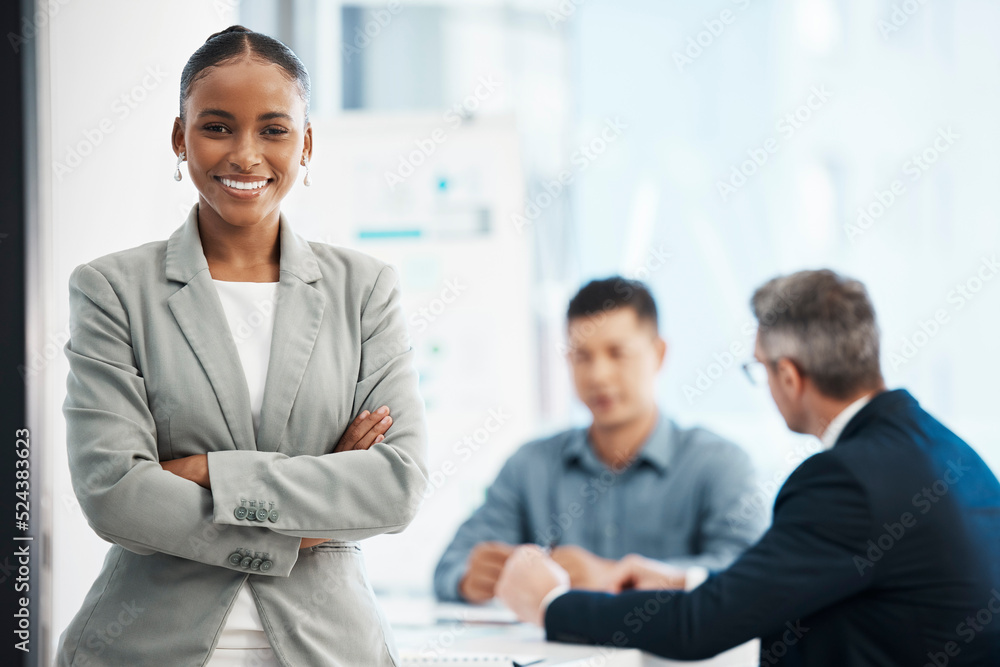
(378, 424)
(366, 429)
(353, 433)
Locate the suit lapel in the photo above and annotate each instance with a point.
(297, 318)
(199, 313)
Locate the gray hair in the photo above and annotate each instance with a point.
(825, 324)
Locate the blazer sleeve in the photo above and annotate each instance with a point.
(125, 495)
(806, 562)
(356, 494)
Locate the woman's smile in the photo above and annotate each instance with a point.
(241, 188)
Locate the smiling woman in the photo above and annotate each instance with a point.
(242, 376)
(244, 131)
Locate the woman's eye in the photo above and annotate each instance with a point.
(217, 128)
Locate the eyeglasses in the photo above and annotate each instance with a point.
(756, 372)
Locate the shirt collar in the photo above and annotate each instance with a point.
(837, 424)
(657, 451)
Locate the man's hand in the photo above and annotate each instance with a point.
(639, 573)
(586, 570)
(485, 563)
(527, 577)
(367, 429)
(193, 468)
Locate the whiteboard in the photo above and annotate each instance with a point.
(435, 195)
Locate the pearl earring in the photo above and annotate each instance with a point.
(177, 174)
(305, 181)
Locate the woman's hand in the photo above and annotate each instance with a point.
(194, 468)
(312, 541)
(366, 430)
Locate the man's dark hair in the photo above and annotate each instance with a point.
(603, 295)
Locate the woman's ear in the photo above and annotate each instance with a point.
(307, 144)
(177, 136)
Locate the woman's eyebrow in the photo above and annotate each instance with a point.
(225, 114)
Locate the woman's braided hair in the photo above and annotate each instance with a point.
(233, 42)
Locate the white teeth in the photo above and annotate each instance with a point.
(240, 185)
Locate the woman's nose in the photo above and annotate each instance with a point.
(246, 152)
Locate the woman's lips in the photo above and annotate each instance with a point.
(243, 194)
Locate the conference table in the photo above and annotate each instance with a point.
(429, 633)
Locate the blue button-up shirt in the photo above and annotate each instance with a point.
(682, 500)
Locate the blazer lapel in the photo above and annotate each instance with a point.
(297, 318)
(200, 315)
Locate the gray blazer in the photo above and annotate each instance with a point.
(155, 375)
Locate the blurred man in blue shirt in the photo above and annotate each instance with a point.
(632, 485)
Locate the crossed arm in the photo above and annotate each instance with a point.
(121, 484)
(367, 429)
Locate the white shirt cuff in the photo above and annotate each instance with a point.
(552, 595)
(696, 576)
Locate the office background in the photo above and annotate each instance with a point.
(702, 147)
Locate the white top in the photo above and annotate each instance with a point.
(837, 424)
(250, 310)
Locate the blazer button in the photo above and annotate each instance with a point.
(235, 558)
(246, 561)
(265, 565)
(272, 516)
(241, 513)
(261, 514)
(255, 563)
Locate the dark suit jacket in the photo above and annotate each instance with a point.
(884, 550)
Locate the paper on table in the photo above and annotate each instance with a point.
(467, 613)
(455, 658)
